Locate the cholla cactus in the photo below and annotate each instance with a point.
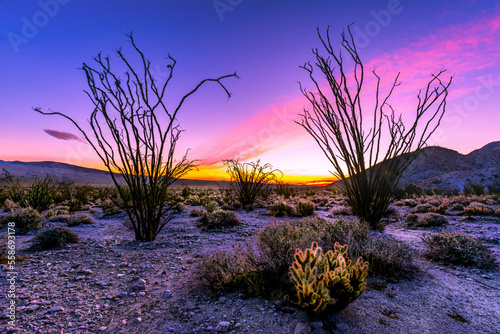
(327, 280)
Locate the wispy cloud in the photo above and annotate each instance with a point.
(63, 135)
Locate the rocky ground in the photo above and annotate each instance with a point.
(111, 284)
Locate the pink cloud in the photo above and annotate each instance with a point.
(62, 135)
(269, 129)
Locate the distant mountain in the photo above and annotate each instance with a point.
(448, 170)
(65, 172)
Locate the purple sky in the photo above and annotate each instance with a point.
(43, 44)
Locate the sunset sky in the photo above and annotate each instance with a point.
(43, 44)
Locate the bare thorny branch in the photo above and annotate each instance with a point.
(130, 136)
(336, 124)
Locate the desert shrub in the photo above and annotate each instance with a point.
(80, 219)
(250, 180)
(59, 219)
(217, 219)
(387, 256)
(341, 210)
(458, 248)
(457, 207)
(478, 209)
(224, 271)
(280, 209)
(473, 188)
(345, 231)
(211, 206)
(4, 248)
(180, 207)
(40, 193)
(56, 237)
(423, 208)
(412, 219)
(197, 212)
(4, 195)
(83, 193)
(305, 208)
(284, 190)
(109, 208)
(426, 220)
(220, 270)
(26, 219)
(277, 243)
(442, 208)
(15, 190)
(327, 280)
(186, 192)
(63, 191)
(433, 219)
(226, 207)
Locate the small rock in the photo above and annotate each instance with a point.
(223, 326)
(485, 277)
(137, 320)
(222, 300)
(103, 328)
(167, 294)
(302, 328)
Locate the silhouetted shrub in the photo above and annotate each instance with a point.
(458, 248)
(250, 180)
(284, 190)
(56, 237)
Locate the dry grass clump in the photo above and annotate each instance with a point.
(458, 248)
(478, 209)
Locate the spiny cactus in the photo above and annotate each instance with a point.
(327, 280)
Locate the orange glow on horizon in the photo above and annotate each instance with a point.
(218, 173)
